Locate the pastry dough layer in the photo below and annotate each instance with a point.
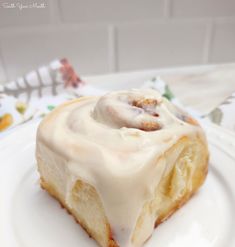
(119, 181)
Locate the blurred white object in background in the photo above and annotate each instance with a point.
(109, 36)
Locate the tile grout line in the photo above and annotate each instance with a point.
(208, 41)
(55, 13)
(117, 69)
(4, 66)
(112, 49)
(167, 9)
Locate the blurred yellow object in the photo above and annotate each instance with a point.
(5, 121)
(21, 107)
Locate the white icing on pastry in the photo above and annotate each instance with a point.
(106, 143)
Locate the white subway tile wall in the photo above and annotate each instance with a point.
(152, 45)
(108, 35)
(85, 47)
(223, 43)
(203, 8)
(111, 10)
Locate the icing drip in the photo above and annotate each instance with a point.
(113, 143)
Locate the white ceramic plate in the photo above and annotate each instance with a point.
(29, 217)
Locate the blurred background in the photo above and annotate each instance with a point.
(109, 36)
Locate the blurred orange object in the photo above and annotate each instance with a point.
(5, 121)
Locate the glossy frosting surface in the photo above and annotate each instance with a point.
(115, 143)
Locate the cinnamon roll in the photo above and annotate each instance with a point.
(122, 163)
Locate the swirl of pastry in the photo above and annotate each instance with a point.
(129, 109)
(133, 109)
